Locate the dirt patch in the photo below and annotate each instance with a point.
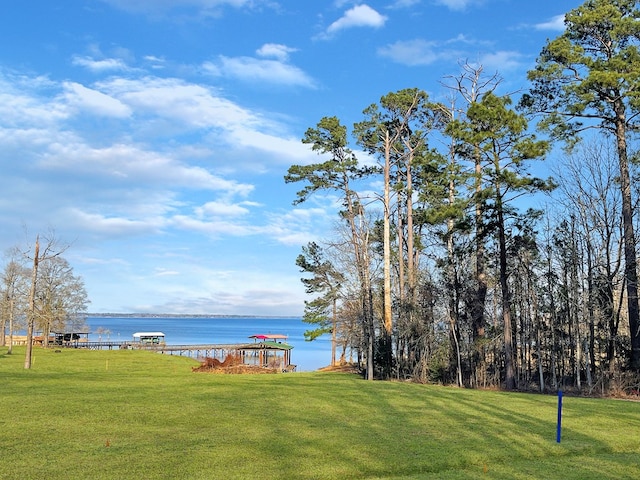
(230, 365)
(345, 368)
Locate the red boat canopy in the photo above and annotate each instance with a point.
(269, 336)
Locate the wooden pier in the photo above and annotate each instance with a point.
(219, 351)
(196, 351)
(273, 354)
(266, 350)
(263, 354)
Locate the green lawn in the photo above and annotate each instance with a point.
(131, 414)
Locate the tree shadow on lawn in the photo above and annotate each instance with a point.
(375, 429)
(523, 430)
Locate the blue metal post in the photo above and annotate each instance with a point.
(559, 430)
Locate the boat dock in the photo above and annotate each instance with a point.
(267, 350)
(195, 351)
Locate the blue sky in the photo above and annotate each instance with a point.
(153, 135)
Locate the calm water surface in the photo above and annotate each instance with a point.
(307, 356)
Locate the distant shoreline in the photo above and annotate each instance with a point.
(179, 315)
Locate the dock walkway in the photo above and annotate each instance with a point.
(266, 350)
(200, 351)
(252, 353)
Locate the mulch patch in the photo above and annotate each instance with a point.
(230, 365)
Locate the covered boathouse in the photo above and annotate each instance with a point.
(268, 350)
(149, 338)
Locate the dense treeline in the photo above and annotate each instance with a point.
(452, 262)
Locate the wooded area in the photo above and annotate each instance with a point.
(463, 266)
(40, 293)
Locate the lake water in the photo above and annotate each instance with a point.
(308, 356)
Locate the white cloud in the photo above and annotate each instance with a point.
(405, 3)
(191, 106)
(286, 148)
(140, 158)
(275, 50)
(420, 52)
(94, 101)
(100, 66)
(100, 224)
(503, 60)
(221, 218)
(215, 227)
(155, 63)
(458, 4)
(358, 16)
(162, 6)
(220, 209)
(20, 104)
(555, 23)
(295, 227)
(24, 110)
(182, 102)
(414, 52)
(153, 59)
(260, 71)
(231, 291)
(129, 164)
(163, 272)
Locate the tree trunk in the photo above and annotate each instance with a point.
(539, 347)
(360, 249)
(412, 258)
(510, 379)
(11, 315)
(334, 318)
(371, 336)
(3, 327)
(630, 263)
(388, 321)
(453, 287)
(477, 313)
(32, 306)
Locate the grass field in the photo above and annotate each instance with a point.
(131, 414)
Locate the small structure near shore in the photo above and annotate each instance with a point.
(270, 350)
(70, 339)
(268, 354)
(149, 338)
